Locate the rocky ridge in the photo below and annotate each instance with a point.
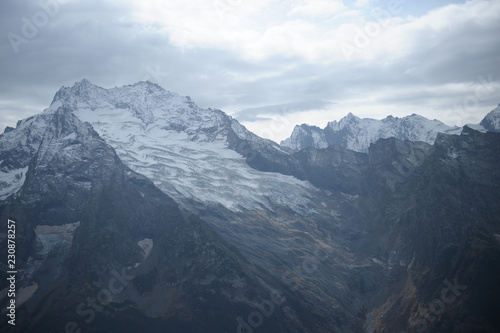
(357, 134)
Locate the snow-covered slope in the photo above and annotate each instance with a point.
(182, 148)
(357, 134)
(491, 122)
(17, 147)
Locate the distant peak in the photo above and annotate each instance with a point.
(357, 133)
(82, 91)
(147, 83)
(350, 117)
(491, 122)
(84, 83)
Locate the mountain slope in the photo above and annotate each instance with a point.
(209, 164)
(431, 221)
(90, 228)
(443, 245)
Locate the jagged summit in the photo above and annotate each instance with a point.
(145, 103)
(357, 133)
(82, 91)
(147, 100)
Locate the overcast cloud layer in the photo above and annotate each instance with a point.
(270, 64)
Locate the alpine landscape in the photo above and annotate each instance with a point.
(135, 210)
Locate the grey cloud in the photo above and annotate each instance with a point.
(99, 41)
(259, 113)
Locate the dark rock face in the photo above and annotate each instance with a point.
(449, 230)
(264, 155)
(333, 168)
(189, 280)
(430, 217)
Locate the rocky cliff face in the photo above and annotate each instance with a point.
(430, 220)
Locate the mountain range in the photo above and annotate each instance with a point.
(137, 210)
(357, 134)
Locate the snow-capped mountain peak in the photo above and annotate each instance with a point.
(144, 103)
(176, 144)
(491, 122)
(357, 133)
(81, 93)
(19, 145)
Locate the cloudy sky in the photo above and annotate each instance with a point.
(270, 64)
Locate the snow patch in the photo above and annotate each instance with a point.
(25, 293)
(50, 236)
(11, 181)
